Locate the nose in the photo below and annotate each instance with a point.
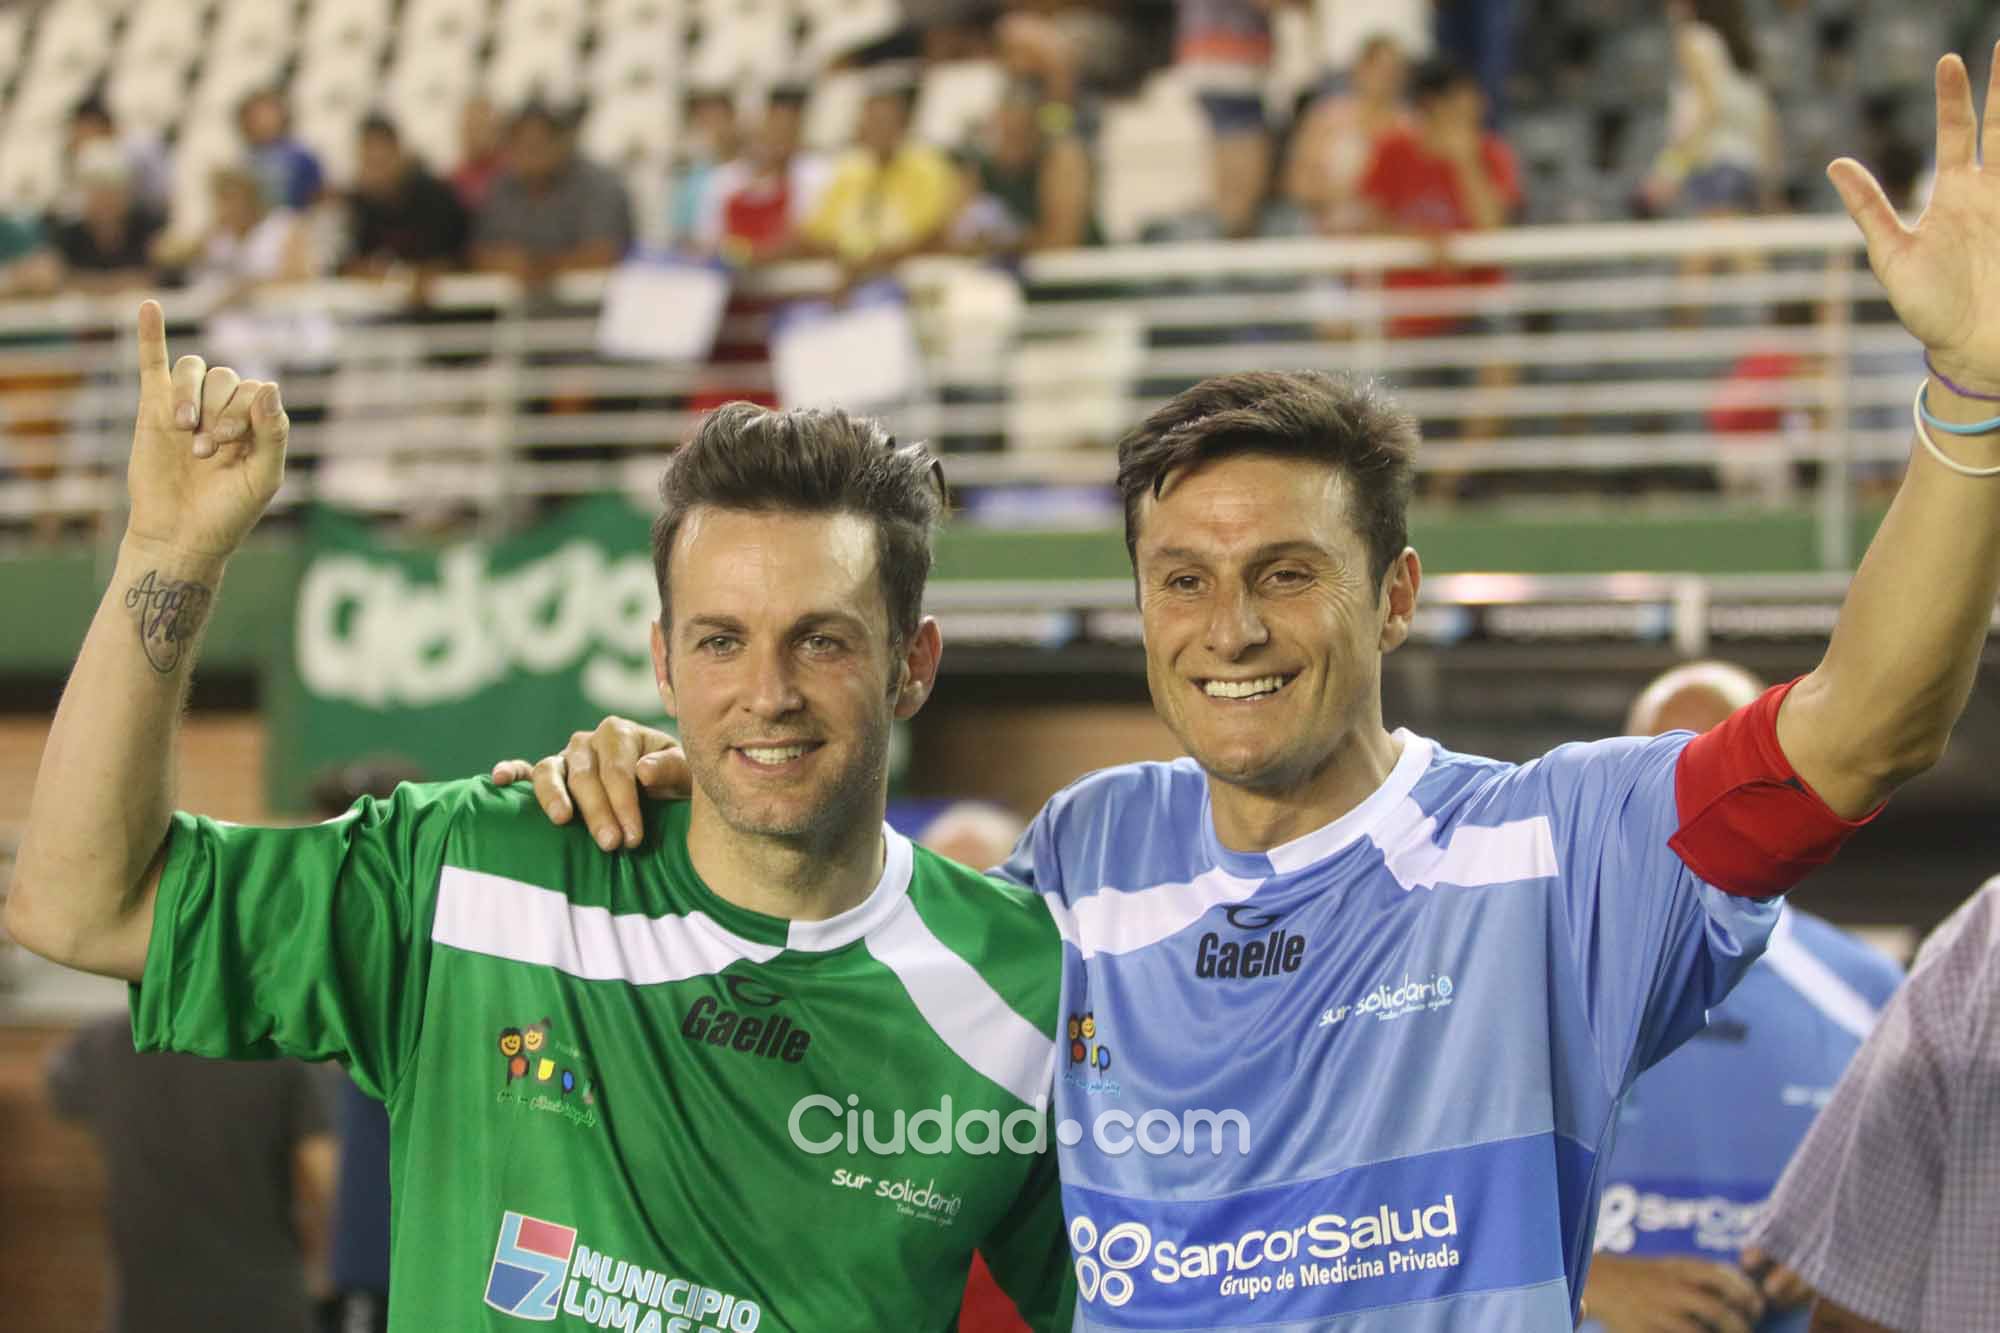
(1234, 627)
(773, 691)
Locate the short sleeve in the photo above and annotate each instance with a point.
(310, 942)
(1654, 947)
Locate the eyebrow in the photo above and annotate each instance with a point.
(811, 620)
(1268, 551)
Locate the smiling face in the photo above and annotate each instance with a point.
(1264, 626)
(780, 668)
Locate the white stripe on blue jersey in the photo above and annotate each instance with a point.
(1424, 1013)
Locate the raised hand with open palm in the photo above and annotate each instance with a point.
(1943, 274)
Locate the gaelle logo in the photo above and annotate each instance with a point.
(771, 1036)
(1279, 952)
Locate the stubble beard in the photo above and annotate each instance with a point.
(829, 814)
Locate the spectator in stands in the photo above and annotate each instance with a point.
(217, 1177)
(249, 242)
(28, 266)
(1704, 1135)
(553, 211)
(480, 156)
(1029, 181)
(709, 142)
(289, 172)
(891, 195)
(152, 177)
(756, 204)
(1444, 173)
(1081, 48)
(1335, 140)
(401, 216)
(1479, 35)
(1223, 49)
(1722, 154)
(108, 245)
(1750, 401)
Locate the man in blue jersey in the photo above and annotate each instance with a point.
(1354, 1013)
(1704, 1134)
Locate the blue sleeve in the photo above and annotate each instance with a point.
(1032, 864)
(1654, 947)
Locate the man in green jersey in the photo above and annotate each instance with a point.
(619, 1088)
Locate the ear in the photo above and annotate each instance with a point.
(662, 675)
(918, 669)
(1399, 599)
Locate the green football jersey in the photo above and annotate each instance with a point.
(616, 1099)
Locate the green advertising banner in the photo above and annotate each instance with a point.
(454, 658)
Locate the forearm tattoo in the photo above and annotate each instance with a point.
(170, 614)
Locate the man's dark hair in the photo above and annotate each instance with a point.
(1436, 76)
(1344, 422)
(793, 95)
(94, 106)
(375, 123)
(810, 461)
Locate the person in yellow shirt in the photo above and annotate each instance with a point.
(891, 196)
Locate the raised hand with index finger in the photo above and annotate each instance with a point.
(208, 450)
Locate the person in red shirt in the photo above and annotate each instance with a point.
(1444, 173)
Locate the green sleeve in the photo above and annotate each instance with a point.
(1028, 1251)
(309, 942)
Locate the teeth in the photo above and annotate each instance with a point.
(1243, 689)
(778, 755)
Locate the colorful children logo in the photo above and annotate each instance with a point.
(1084, 1048)
(530, 1056)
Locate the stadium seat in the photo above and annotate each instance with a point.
(147, 98)
(207, 141)
(616, 18)
(161, 35)
(31, 164)
(644, 57)
(542, 69)
(631, 131)
(255, 32)
(13, 34)
(841, 27)
(426, 93)
(833, 110)
(1154, 151)
(748, 42)
(73, 38)
(559, 23)
(956, 98)
(354, 29)
(430, 26)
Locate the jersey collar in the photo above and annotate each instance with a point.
(1323, 842)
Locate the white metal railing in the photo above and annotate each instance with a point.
(1605, 350)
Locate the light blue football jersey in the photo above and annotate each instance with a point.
(1704, 1135)
(1366, 1081)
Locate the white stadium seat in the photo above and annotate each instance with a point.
(1154, 151)
(956, 98)
(147, 97)
(31, 164)
(833, 110)
(257, 32)
(534, 69)
(428, 25)
(13, 41)
(629, 131)
(72, 36)
(348, 25)
(163, 32)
